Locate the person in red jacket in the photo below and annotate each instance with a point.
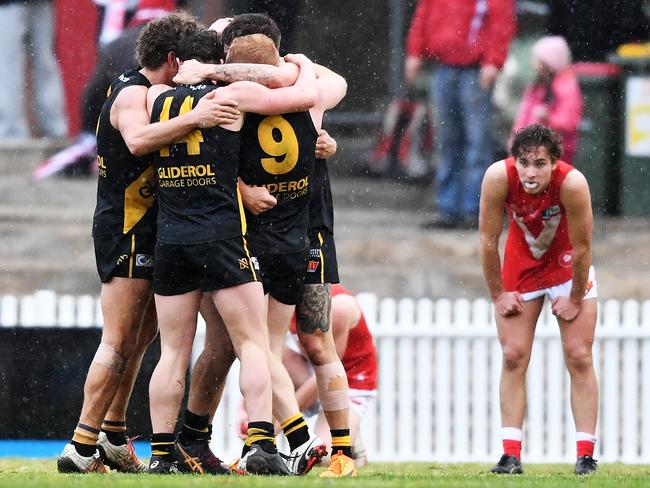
(468, 41)
(547, 254)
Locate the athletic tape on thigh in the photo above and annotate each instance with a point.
(332, 386)
(108, 357)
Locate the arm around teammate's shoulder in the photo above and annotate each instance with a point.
(332, 87)
(256, 98)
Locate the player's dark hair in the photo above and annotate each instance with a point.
(246, 24)
(534, 136)
(204, 46)
(162, 36)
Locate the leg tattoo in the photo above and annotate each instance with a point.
(313, 308)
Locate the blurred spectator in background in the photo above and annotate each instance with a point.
(113, 16)
(116, 57)
(112, 59)
(594, 28)
(554, 98)
(468, 42)
(26, 37)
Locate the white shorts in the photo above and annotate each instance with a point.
(360, 399)
(564, 289)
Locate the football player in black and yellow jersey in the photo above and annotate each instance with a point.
(200, 248)
(124, 234)
(279, 240)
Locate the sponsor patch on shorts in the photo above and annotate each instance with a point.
(144, 260)
(256, 264)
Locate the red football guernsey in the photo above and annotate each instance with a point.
(538, 250)
(360, 357)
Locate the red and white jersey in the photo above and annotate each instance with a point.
(360, 357)
(538, 250)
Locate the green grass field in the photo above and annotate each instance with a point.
(21, 473)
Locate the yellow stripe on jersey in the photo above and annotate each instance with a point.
(322, 259)
(242, 214)
(132, 254)
(138, 198)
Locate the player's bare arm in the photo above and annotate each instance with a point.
(253, 97)
(345, 316)
(256, 199)
(576, 200)
(129, 115)
(494, 191)
(332, 88)
(192, 72)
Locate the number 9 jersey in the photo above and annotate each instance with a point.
(278, 152)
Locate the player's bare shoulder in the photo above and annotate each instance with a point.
(495, 179)
(574, 188)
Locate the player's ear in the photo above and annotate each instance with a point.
(172, 59)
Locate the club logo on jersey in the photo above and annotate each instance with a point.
(539, 244)
(565, 260)
(550, 212)
(122, 259)
(123, 78)
(312, 266)
(144, 260)
(243, 263)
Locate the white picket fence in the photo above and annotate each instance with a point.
(439, 366)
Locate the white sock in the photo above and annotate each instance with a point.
(511, 433)
(584, 436)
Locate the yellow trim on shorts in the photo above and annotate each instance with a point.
(242, 214)
(131, 258)
(248, 255)
(322, 259)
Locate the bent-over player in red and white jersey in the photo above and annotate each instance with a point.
(547, 253)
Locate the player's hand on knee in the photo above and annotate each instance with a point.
(566, 309)
(509, 303)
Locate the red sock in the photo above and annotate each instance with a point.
(512, 448)
(585, 448)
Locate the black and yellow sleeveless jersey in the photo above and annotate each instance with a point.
(125, 187)
(277, 152)
(197, 176)
(321, 208)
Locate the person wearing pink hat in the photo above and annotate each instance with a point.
(554, 98)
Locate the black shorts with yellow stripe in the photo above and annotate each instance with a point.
(124, 256)
(181, 268)
(322, 266)
(283, 274)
